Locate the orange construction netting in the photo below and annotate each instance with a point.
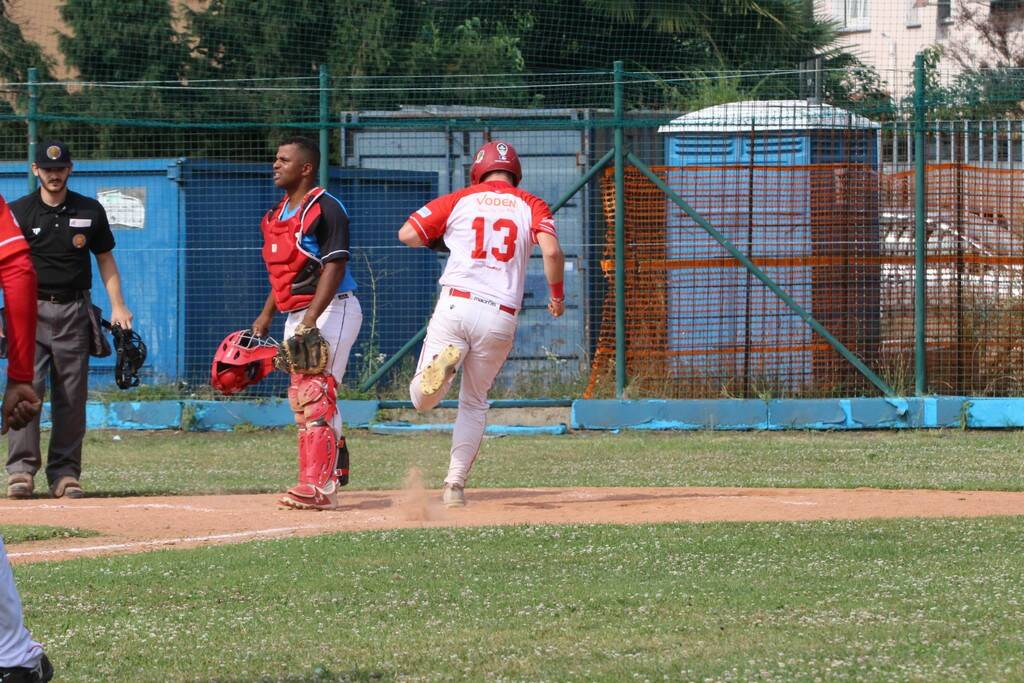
(839, 239)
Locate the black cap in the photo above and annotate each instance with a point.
(52, 154)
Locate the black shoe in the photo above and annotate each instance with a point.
(40, 673)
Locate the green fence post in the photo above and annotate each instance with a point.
(583, 180)
(33, 125)
(920, 232)
(325, 145)
(620, 239)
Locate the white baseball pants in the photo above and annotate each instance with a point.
(339, 325)
(17, 649)
(484, 335)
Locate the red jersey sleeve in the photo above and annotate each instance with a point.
(542, 220)
(11, 239)
(18, 279)
(431, 221)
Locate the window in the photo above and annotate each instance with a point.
(1006, 6)
(852, 14)
(945, 14)
(913, 14)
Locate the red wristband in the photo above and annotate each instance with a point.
(557, 290)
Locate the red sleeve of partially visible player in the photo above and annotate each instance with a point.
(12, 240)
(432, 220)
(18, 279)
(542, 220)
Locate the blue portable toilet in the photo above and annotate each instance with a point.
(794, 186)
(188, 248)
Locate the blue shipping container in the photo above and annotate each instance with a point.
(188, 247)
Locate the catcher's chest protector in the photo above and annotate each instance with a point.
(313, 398)
(282, 249)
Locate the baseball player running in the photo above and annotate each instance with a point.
(490, 228)
(306, 250)
(21, 658)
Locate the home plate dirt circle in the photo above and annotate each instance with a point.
(131, 525)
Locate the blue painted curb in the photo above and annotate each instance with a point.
(222, 416)
(931, 412)
(206, 415)
(720, 414)
(993, 413)
(491, 430)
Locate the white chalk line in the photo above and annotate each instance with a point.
(124, 506)
(773, 499)
(164, 541)
(600, 497)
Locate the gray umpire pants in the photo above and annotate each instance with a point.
(62, 356)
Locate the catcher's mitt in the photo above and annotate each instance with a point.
(305, 352)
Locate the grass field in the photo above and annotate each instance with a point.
(905, 600)
(22, 534)
(150, 463)
(931, 600)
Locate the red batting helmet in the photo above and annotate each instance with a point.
(242, 359)
(495, 156)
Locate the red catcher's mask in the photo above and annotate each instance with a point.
(242, 359)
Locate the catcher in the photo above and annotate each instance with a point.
(306, 251)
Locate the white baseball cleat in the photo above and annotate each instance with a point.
(439, 370)
(453, 496)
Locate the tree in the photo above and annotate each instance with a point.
(356, 40)
(852, 84)
(989, 35)
(271, 51)
(988, 46)
(255, 61)
(17, 55)
(713, 39)
(123, 41)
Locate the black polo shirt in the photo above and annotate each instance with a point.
(62, 237)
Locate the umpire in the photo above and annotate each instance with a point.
(62, 228)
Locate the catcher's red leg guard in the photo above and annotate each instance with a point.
(313, 397)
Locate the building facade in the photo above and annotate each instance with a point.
(887, 34)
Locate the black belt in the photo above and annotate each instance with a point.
(61, 296)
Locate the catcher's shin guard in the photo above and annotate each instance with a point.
(312, 397)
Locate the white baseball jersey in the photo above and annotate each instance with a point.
(490, 229)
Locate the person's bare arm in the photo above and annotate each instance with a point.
(261, 326)
(111, 276)
(554, 271)
(409, 237)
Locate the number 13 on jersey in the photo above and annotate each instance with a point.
(501, 233)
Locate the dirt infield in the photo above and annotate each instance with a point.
(128, 525)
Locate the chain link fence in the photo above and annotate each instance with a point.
(773, 249)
